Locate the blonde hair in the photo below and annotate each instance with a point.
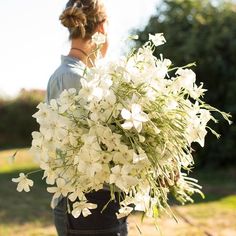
(82, 17)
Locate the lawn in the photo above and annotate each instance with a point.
(29, 214)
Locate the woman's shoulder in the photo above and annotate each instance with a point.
(66, 76)
(70, 67)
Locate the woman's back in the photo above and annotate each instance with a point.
(66, 76)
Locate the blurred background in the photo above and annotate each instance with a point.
(32, 40)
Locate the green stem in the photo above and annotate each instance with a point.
(33, 172)
(189, 65)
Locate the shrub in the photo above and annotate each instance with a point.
(16, 121)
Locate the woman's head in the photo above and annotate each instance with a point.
(83, 17)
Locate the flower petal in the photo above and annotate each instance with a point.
(86, 212)
(138, 125)
(136, 109)
(125, 114)
(127, 125)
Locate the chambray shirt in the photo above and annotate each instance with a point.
(66, 76)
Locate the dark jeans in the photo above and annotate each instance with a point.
(97, 224)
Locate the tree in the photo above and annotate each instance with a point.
(203, 32)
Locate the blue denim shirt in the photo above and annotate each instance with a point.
(66, 76)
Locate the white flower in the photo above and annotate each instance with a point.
(197, 120)
(90, 90)
(60, 189)
(197, 91)
(49, 174)
(162, 66)
(37, 139)
(145, 55)
(89, 161)
(157, 39)
(201, 136)
(135, 118)
(123, 155)
(142, 201)
(55, 128)
(98, 38)
(53, 104)
(73, 139)
(23, 183)
(186, 78)
(106, 137)
(101, 111)
(87, 89)
(205, 116)
(106, 157)
(90, 143)
(82, 208)
(66, 100)
(43, 114)
(196, 131)
(121, 177)
(139, 157)
(124, 211)
(89, 168)
(108, 105)
(77, 194)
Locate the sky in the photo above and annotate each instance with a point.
(32, 39)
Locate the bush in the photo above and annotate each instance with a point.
(16, 121)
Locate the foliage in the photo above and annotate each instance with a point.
(203, 32)
(16, 122)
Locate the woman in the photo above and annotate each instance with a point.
(83, 18)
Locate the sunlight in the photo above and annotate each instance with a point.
(31, 45)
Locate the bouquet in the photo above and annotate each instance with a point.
(129, 129)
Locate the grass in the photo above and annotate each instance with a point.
(23, 213)
(29, 214)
